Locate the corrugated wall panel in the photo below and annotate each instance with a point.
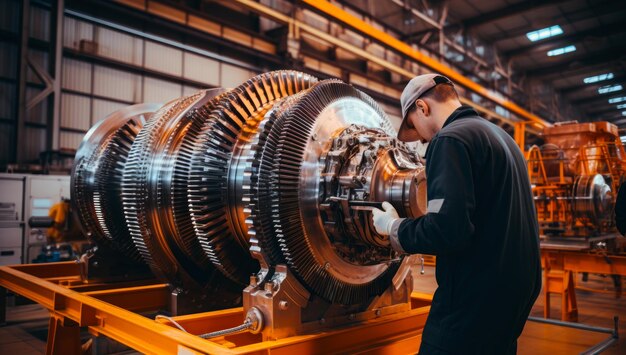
(103, 108)
(35, 143)
(39, 112)
(39, 23)
(70, 140)
(7, 100)
(190, 90)
(74, 31)
(75, 111)
(233, 76)
(8, 60)
(164, 59)
(117, 84)
(76, 75)
(38, 58)
(9, 15)
(160, 91)
(119, 46)
(202, 69)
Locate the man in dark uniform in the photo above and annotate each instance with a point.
(481, 224)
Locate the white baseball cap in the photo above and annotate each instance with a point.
(413, 91)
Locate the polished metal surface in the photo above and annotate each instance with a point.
(140, 201)
(149, 194)
(97, 176)
(292, 150)
(593, 199)
(280, 172)
(215, 181)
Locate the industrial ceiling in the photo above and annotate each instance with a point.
(591, 37)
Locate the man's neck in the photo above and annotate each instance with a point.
(445, 110)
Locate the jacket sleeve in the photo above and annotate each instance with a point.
(447, 227)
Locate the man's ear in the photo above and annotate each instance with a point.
(423, 106)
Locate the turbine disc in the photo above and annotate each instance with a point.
(97, 176)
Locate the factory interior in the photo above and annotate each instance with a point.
(235, 177)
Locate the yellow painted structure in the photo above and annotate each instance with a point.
(110, 310)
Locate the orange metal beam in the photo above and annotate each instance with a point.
(136, 299)
(594, 263)
(129, 328)
(348, 19)
(63, 269)
(396, 333)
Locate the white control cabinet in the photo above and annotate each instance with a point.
(23, 196)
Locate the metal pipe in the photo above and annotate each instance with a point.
(600, 347)
(572, 325)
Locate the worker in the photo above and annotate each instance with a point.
(480, 223)
(66, 227)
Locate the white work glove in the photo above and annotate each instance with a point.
(383, 220)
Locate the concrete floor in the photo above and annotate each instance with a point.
(26, 329)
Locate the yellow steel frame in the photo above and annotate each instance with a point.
(111, 312)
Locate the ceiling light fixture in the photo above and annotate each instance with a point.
(596, 78)
(609, 88)
(562, 50)
(615, 100)
(544, 33)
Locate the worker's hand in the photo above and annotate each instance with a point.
(383, 220)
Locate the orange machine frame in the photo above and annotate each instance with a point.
(110, 310)
(561, 266)
(587, 149)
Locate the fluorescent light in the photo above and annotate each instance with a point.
(617, 99)
(596, 78)
(623, 113)
(544, 33)
(609, 88)
(560, 51)
(619, 107)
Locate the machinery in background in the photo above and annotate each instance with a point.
(575, 176)
(22, 198)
